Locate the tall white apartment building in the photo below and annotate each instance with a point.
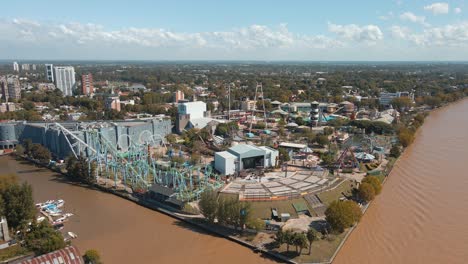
(65, 79)
(49, 72)
(15, 66)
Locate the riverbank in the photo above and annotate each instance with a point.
(178, 215)
(173, 214)
(415, 187)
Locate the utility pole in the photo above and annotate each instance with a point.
(229, 103)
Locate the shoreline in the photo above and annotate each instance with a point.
(418, 131)
(178, 215)
(168, 211)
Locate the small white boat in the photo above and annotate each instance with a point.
(45, 204)
(40, 219)
(59, 203)
(55, 213)
(72, 235)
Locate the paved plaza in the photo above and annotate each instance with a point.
(279, 184)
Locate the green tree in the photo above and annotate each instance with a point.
(19, 150)
(406, 137)
(40, 153)
(288, 237)
(280, 238)
(395, 151)
(401, 103)
(222, 130)
(27, 146)
(171, 138)
(328, 158)
(283, 155)
(312, 236)
(366, 192)
(80, 170)
(322, 140)
(43, 238)
(19, 204)
(300, 121)
(342, 214)
(300, 241)
(374, 182)
(92, 256)
(209, 204)
(28, 105)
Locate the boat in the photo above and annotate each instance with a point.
(63, 218)
(72, 235)
(45, 204)
(59, 203)
(59, 226)
(40, 219)
(55, 213)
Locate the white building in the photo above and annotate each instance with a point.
(386, 98)
(193, 115)
(243, 156)
(65, 79)
(194, 109)
(15, 66)
(49, 72)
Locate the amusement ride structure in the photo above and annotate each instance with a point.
(135, 165)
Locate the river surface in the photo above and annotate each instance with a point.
(421, 216)
(124, 232)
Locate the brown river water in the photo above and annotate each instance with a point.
(124, 232)
(421, 216)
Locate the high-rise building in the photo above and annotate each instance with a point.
(10, 87)
(65, 79)
(87, 84)
(178, 96)
(34, 67)
(15, 66)
(25, 67)
(49, 72)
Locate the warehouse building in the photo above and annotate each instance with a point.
(119, 133)
(242, 157)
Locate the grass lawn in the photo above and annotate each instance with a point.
(263, 209)
(11, 252)
(322, 250)
(329, 196)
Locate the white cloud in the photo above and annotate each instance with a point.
(408, 16)
(438, 8)
(388, 16)
(457, 10)
(399, 32)
(369, 33)
(245, 39)
(454, 35)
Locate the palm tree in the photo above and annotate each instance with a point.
(288, 238)
(311, 236)
(301, 241)
(280, 239)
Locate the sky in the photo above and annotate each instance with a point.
(358, 30)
